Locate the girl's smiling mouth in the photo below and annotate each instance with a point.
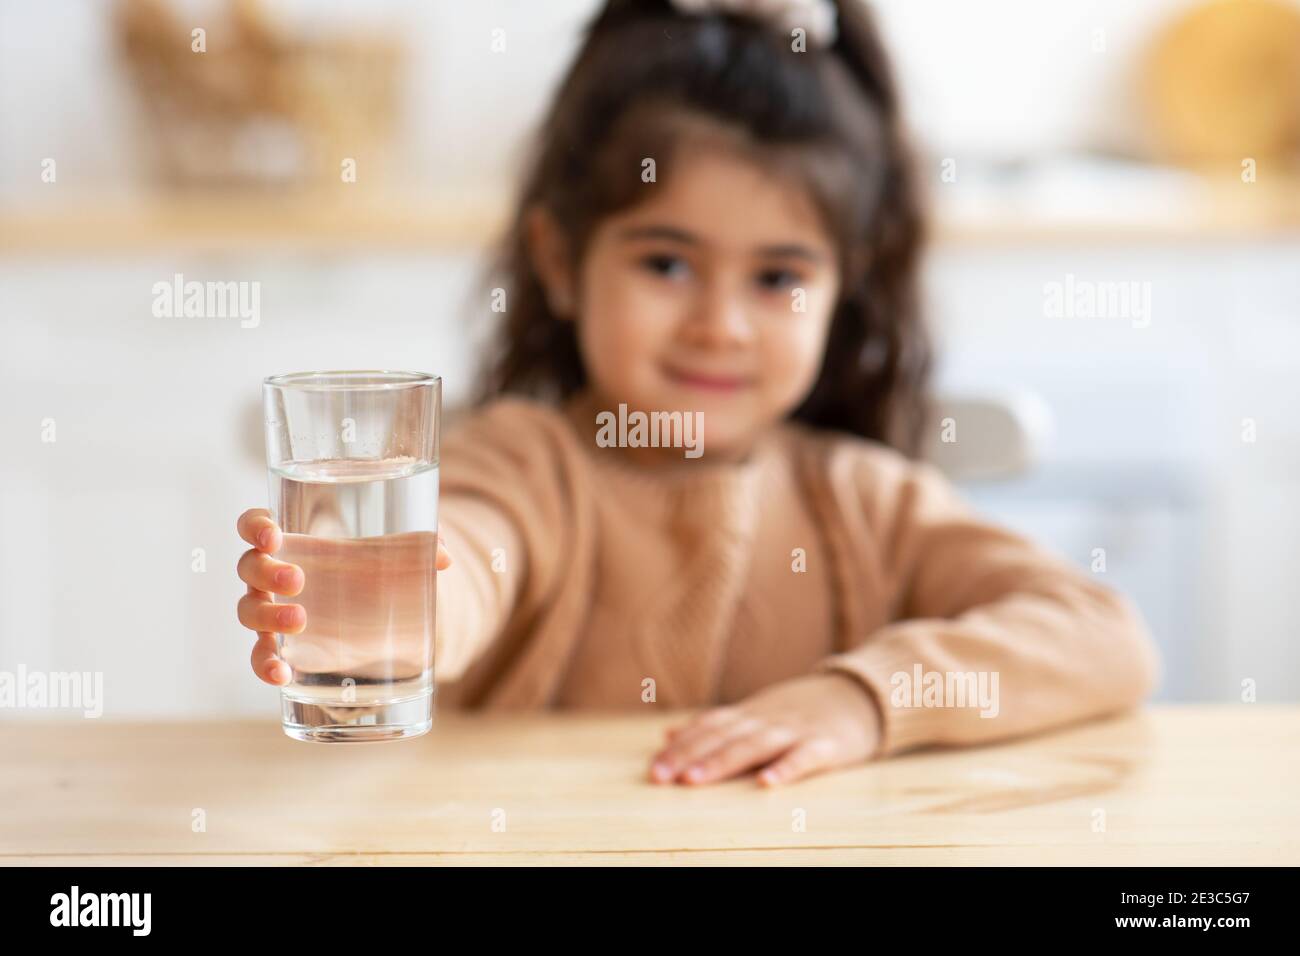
(710, 381)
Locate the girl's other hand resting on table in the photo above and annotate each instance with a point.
(790, 730)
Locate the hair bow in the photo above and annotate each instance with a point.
(816, 17)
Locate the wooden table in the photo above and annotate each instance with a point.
(1178, 786)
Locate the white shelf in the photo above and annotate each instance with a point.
(1038, 211)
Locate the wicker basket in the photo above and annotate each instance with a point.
(258, 108)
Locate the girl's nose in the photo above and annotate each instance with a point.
(720, 317)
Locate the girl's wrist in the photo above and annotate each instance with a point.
(872, 709)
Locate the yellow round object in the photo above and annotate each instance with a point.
(1223, 83)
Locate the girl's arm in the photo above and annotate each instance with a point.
(478, 593)
(506, 516)
(993, 636)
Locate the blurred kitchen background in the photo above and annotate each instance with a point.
(1065, 143)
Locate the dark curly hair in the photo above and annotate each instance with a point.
(828, 117)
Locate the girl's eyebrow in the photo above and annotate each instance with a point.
(788, 250)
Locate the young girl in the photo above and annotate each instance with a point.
(720, 221)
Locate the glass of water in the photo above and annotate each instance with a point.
(353, 464)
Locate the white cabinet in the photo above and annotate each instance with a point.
(1176, 443)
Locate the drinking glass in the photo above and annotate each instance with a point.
(352, 458)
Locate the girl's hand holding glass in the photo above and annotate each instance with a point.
(326, 561)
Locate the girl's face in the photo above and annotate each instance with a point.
(713, 295)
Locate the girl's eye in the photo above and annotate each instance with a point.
(778, 278)
(668, 266)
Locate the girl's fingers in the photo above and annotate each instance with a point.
(444, 559)
(713, 719)
(263, 572)
(256, 527)
(672, 733)
(740, 754)
(266, 662)
(685, 752)
(809, 756)
(258, 613)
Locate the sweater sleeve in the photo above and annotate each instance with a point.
(503, 516)
(1006, 637)
(477, 594)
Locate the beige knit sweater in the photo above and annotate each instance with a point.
(580, 580)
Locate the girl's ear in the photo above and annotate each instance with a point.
(548, 251)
